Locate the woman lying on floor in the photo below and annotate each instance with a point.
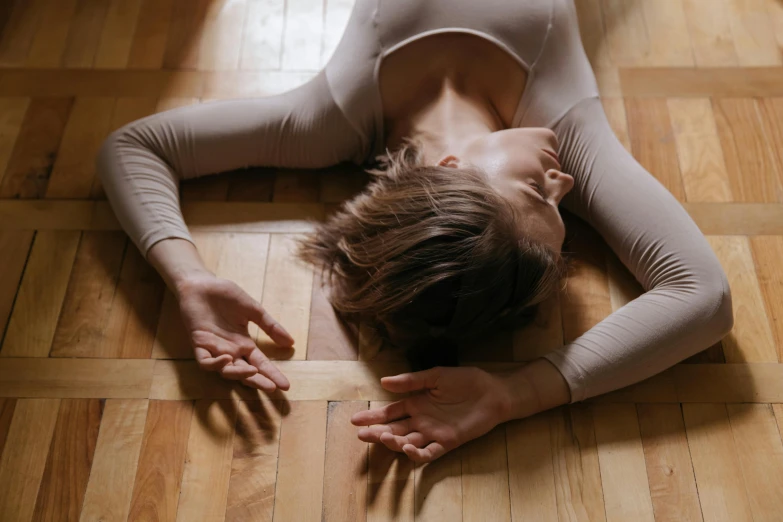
(491, 113)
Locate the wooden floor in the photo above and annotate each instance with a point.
(104, 417)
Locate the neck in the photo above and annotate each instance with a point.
(446, 125)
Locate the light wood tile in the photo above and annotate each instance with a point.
(330, 336)
(182, 45)
(221, 38)
(7, 407)
(346, 466)
(84, 33)
(753, 35)
(14, 249)
(117, 37)
(767, 251)
(33, 321)
(300, 469)
(667, 29)
(24, 458)
(715, 464)
(113, 472)
(531, 469)
(709, 23)
(438, 492)
(12, 113)
(149, 38)
(51, 35)
(485, 478)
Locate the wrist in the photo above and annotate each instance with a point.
(178, 262)
(535, 387)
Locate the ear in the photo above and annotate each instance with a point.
(449, 161)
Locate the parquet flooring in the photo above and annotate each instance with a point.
(104, 416)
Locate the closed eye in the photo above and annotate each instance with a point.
(539, 189)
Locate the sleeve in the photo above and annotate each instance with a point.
(686, 306)
(141, 164)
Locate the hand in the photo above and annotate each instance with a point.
(456, 405)
(216, 313)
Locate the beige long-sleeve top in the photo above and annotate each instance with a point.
(337, 117)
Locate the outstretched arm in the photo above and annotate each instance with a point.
(141, 165)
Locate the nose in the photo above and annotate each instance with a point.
(560, 183)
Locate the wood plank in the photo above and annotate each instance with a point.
(24, 459)
(133, 318)
(778, 410)
(771, 112)
(346, 466)
(754, 39)
(302, 35)
(715, 463)
(438, 491)
(117, 36)
(591, 29)
(753, 173)
(390, 483)
(88, 301)
(702, 82)
(109, 489)
(14, 249)
(251, 491)
(767, 251)
(485, 478)
(19, 31)
(7, 407)
(161, 461)
(12, 113)
(667, 29)
(729, 383)
(531, 472)
(182, 44)
(149, 39)
(615, 113)
(620, 453)
(330, 336)
(207, 471)
(760, 454)
(84, 34)
(650, 130)
(221, 37)
(751, 340)
(287, 293)
(626, 33)
(710, 30)
(300, 469)
(51, 36)
(659, 388)
(67, 470)
(585, 301)
(262, 40)
(42, 291)
(72, 378)
(30, 164)
(74, 169)
(669, 469)
(737, 219)
(699, 150)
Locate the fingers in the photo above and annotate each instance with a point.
(238, 370)
(432, 451)
(260, 382)
(268, 370)
(382, 415)
(268, 324)
(408, 382)
(209, 363)
(374, 433)
(397, 442)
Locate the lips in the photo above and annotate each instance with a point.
(553, 155)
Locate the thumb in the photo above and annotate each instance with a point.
(408, 382)
(273, 329)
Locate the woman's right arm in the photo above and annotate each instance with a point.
(141, 165)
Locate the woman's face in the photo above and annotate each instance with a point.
(523, 166)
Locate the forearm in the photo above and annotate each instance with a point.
(176, 260)
(535, 387)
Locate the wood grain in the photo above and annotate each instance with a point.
(699, 150)
(20, 30)
(715, 463)
(149, 39)
(12, 113)
(760, 453)
(74, 170)
(751, 339)
(330, 336)
(161, 461)
(752, 32)
(84, 33)
(710, 30)
(251, 491)
(221, 37)
(51, 34)
(531, 469)
(69, 462)
(24, 458)
(31, 327)
(625, 486)
(88, 301)
(186, 21)
(300, 469)
(31, 162)
(766, 253)
(110, 486)
(7, 407)
(438, 492)
(345, 467)
(669, 469)
(667, 29)
(485, 478)
(14, 249)
(207, 472)
(117, 36)
(543, 334)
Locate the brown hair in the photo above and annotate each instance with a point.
(431, 255)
